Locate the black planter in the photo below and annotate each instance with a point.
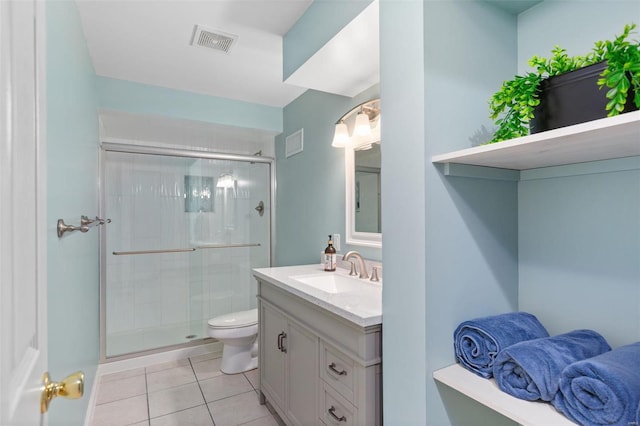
(573, 98)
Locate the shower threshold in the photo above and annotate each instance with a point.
(152, 338)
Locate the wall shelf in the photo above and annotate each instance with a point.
(604, 139)
(487, 392)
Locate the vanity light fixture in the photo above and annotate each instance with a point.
(341, 136)
(364, 119)
(363, 127)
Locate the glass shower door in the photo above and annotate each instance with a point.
(184, 236)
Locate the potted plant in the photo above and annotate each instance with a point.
(523, 101)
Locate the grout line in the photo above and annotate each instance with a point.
(251, 383)
(204, 398)
(233, 396)
(178, 411)
(247, 379)
(146, 387)
(265, 416)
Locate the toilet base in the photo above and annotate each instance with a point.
(238, 359)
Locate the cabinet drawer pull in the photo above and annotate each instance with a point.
(282, 342)
(332, 412)
(332, 367)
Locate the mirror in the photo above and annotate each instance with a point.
(358, 132)
(367, 190)
(363, 195)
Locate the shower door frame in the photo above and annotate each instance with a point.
(106, 146)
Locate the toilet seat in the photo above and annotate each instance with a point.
(235, 320)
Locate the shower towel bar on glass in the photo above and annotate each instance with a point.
(181, 250)
(217, 246)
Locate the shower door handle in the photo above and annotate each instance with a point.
(260, 208)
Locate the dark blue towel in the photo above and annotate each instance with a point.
(477, 342)
(604, 390)
(531, 370)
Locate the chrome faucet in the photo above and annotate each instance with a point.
(363, 266)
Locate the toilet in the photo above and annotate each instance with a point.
(237, 332)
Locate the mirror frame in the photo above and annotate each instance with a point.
(367, 239)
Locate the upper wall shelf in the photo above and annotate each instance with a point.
(604, 139)
(487, 392)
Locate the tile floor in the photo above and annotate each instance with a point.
(189, 392)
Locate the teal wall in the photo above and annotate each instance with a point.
(311, 187)
(579, 239)
(311, 196)
(72, 190)
(319, 24)
(140, 98)
(563, 243)
(471, 260)
(598, 20)
(403, 205)
(580, 248)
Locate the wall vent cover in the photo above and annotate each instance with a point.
(213, 39)
(294, 143)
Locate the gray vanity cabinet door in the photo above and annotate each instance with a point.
(273, 329)
(302, 375)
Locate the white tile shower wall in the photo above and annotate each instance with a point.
(172, 289)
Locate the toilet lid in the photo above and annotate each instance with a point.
(235, 319)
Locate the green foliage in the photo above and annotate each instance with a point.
(622, 72)
(518, 97)
(513, 105)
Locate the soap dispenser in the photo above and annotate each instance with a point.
(330, 256)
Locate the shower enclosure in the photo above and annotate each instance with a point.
(186, 229)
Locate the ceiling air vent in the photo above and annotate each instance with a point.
(213, 39)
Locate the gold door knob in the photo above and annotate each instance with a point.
(71, 387)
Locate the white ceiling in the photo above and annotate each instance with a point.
(349, 63)
(148, 41)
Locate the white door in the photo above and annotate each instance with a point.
(23, 355)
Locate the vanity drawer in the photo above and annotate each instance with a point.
(334, 409)
(338, 370)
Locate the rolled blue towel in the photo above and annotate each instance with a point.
(531, 369)
(603, 390)
(478, 341)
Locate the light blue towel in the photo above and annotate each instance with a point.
(603, 390)
(531, 370)
(477, 342)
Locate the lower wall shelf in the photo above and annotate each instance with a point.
(487, 393)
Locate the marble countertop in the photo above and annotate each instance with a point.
(362, 305)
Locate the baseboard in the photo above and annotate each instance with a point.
(88, 418)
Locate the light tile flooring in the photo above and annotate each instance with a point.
(189, 392)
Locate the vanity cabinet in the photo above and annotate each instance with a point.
(288, 372)
(315, 366)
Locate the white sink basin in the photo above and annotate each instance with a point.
(330, 282)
